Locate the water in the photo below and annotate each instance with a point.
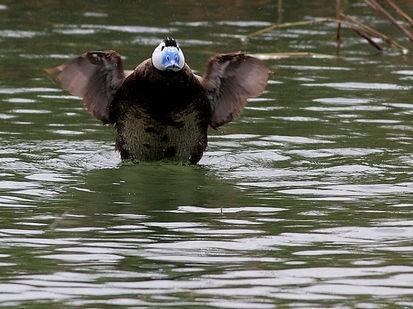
(303, 202)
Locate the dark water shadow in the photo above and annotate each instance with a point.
(150, 188)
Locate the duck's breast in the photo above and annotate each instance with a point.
(161, 115)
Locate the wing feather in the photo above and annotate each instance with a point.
(95, 77)
(230, 79)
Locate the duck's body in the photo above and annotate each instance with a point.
(162, 123)
(162, 110)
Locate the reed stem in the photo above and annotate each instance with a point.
(400, 12)
(386, 14)
(338, 17)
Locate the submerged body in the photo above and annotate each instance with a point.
(162, 110)
(161, 123)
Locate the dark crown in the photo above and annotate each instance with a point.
(170, 42)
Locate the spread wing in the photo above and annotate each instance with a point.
(229, 80)
(95, 77)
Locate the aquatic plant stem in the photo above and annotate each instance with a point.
(369, 39)
(298, 23)
(338, 16)
(375, 33)
(386, 14)
(352, 22)
(400, 12)
(280, 11)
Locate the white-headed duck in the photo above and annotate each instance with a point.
(162, 110)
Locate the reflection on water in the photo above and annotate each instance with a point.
(305, 201)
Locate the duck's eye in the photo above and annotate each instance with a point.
(167, 58)
(162, 48)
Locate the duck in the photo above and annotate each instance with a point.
(162, 110)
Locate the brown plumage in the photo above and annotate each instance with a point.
(163, 113)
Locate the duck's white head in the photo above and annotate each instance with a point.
(168, 56)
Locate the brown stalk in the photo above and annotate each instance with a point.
(280, 11)
(369, 39)
(351, 22)
(400, 12)
(298, 23)
(338, 16)
(367, 29)
(386, 14)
